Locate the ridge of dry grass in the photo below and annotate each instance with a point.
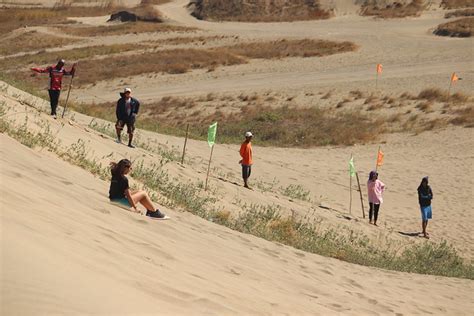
(459, 28)
(458, 13)
(33, 41)
(175, 61)
(456, 4)
(14, 18)
(395, 10)
(123, 28)
(258, 11)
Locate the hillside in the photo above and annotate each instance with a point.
(66, 250)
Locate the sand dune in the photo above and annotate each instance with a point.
(67, 250)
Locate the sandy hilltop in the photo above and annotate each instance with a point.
(66, 250)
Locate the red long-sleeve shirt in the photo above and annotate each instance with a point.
(55, 75)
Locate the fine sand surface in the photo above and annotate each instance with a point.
(67, 250)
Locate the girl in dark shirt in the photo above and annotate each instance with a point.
(119, 191)
(425, 195)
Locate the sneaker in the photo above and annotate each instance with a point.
(54, 116)
(131, 146)
(155, 214)
(118, 141)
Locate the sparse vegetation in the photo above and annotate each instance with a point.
(289, 48)
(262, 221)
(33, 41)
(14, 18)
(458, 13)
(258, 11)
(456, 4)
(395, 10)
(122, 28)
(458, 28)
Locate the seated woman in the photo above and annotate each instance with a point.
(120, 193)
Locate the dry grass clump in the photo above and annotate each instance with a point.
(289, 48)
(202, 40)
(258, 11)
(154, 2)
(395, 10)
(33, 41)
(123, 28)
(464, 117)
(458, 13)
(455, 4)
(459, 28)
(174, 61)
(438, 95)
(14, 18)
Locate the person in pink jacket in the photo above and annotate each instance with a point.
(375, 189)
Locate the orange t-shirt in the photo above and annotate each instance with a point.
(246, 153)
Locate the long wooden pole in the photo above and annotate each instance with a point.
(377, 160)
(361, 197)
(185, 142)
(376, 81)
(68, 92)
(209, 167)
(350, 191)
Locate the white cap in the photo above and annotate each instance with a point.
(248, 134)
(127, 90)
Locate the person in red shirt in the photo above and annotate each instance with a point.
(246, 161)
(56, 74)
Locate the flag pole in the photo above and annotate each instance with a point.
(350, 191)
(361, 197)
(209, 167)
(185, 142)
(377, 161)
(376, 80)
(68, 92)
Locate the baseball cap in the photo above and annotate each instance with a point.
(61, 61)
(248, 134)
(127, 90)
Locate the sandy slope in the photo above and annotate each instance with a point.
(66, 250)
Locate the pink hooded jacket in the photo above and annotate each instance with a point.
(375, 190)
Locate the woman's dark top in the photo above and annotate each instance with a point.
(425, 195)
(118, 185)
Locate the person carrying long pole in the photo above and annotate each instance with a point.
(56, 74)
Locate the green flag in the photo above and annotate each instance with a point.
(352, 169)
(211, 134)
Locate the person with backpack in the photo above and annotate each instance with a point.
(120, 192)
(126, 112)
(56, 74)
(425, 195)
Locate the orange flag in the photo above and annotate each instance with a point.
(379, 158)
(454, 77)
(379, 68)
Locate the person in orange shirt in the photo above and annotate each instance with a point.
(246, 161)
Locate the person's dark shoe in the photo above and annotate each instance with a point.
(155, 214)
(131, 146)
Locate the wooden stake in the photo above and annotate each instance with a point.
(185, 142)
(350, 191)
(209, 167)
(67, 98)
(361, 197)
